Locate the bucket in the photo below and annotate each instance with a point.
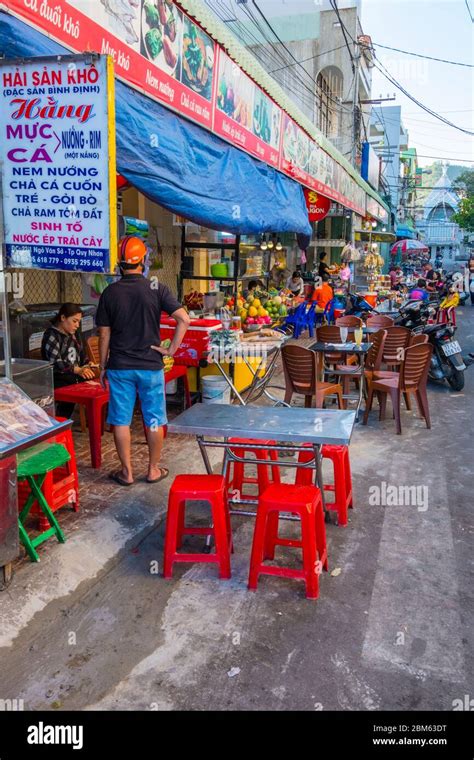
(215, 390)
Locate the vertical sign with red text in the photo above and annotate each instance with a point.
(57, 158)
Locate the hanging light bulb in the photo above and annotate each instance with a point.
(278, 246)
(263, 243)
(384, 229)
(374, 224)
(270, 242)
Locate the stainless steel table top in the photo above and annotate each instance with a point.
(297, 424)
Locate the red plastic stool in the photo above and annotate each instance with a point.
(238, 480)
(209, 488)
(306, 502)
(60, 487)
(342, 486)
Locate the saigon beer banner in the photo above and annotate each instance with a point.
(57, 152)
(159, 50)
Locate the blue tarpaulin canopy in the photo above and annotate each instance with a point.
(404, 231)
(180, 165)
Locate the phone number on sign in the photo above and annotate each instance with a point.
(52, 262)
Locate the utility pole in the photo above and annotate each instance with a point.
(356, 116)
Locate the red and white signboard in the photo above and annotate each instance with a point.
(160, 51)
(318, 205)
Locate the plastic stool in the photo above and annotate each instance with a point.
(60, 487)
(209, 488)
(236, 483)
(306, 502)
(33, 466)
(342, 486)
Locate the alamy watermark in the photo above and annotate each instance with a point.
(15, 284)
(388, 495)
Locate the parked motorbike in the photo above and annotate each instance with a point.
(358, 306)
(447, 362)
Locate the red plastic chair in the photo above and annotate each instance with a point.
(342, 486)
(210, 488)
(236, 478)
(304, 501)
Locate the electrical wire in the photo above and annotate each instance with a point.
(380, 67)
(469, 11)
(419, 55)
(311, 58)
(383, 70)
(333, 4)
(273, 54)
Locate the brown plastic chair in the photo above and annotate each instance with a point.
(302, 368)
(411, 379)
(397, 340)
(329, 334)
(379, 320)
(349, 321)
(418, 340)
(373, 360)
(92, 349)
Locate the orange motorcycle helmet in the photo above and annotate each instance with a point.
(131, 250)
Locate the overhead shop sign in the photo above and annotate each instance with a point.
(159, 50)
(57, 151)
(318, 206)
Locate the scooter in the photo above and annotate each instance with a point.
(359, 307)
(447, 362)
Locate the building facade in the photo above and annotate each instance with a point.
(389, 139)
(443, 236)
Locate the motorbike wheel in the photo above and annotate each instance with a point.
(456, 380)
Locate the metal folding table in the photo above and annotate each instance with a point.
(291, 428)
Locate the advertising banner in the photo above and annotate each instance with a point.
(160, 51)
(57, 152)
(318, 205)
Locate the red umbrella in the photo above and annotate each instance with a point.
(408, 246)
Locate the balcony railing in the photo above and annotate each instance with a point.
(437, 234)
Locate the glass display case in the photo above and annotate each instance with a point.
(35, 378)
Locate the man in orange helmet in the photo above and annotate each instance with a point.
(128, 318)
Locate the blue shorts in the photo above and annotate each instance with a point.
(125, 384)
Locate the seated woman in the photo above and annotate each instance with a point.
(61, 347)
(295, 284)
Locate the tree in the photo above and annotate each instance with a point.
(464, 183)
(465, 215)
(464, 186)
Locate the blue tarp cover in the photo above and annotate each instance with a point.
(180, 165)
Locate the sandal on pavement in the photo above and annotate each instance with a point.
(165, 472)
(117, 478)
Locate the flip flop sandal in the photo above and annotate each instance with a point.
(165, 474)
(117, 478)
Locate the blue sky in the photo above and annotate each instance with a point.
(441, 28)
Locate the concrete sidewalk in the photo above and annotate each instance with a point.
(94, 626)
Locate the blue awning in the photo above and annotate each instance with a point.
(192, 172)
(403, 231)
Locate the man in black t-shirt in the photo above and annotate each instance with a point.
(128, 318)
